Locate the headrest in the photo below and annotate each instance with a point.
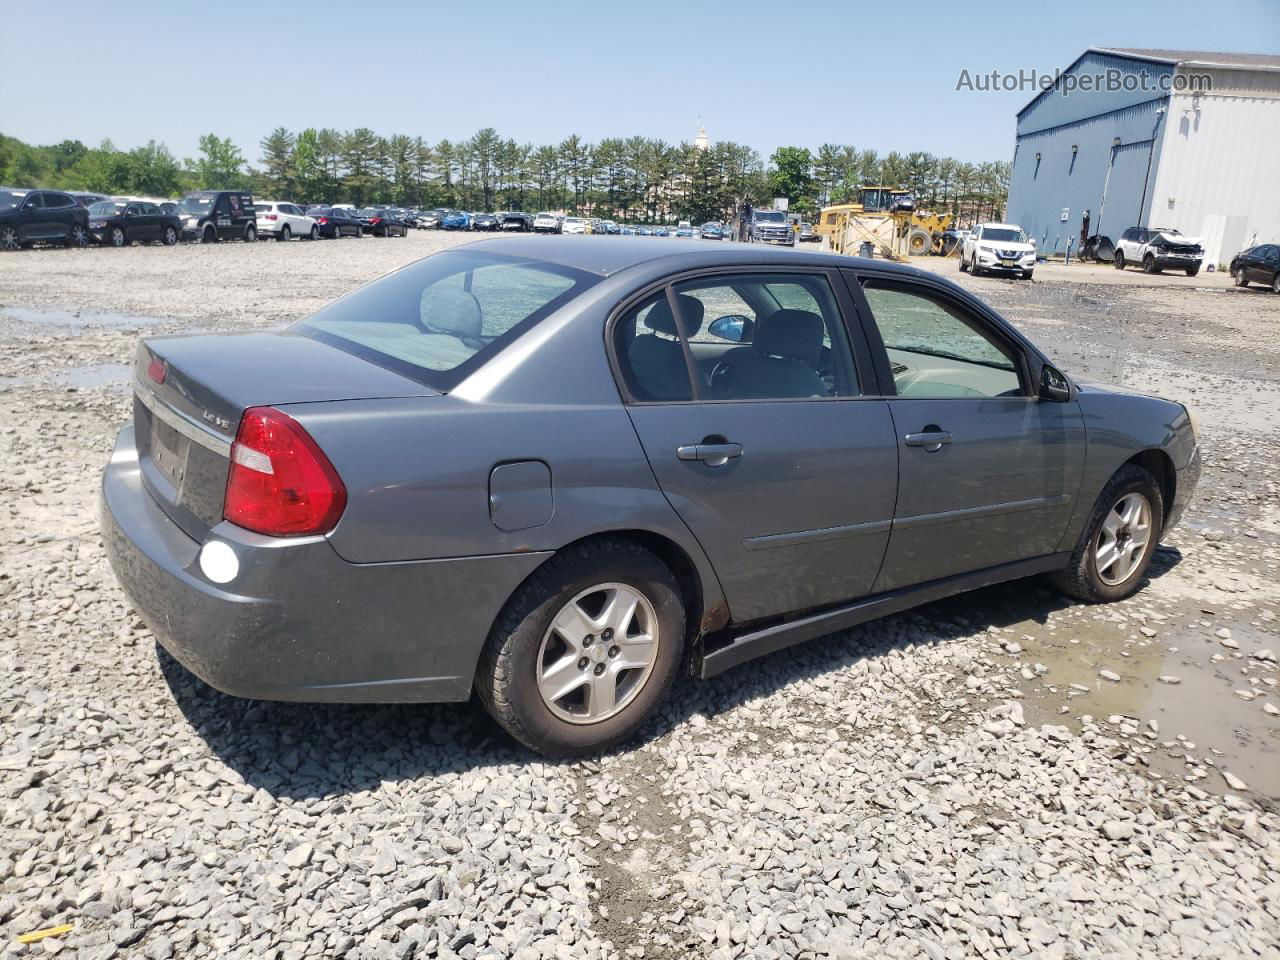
(794, 334)
(659, 317)
(455, 312)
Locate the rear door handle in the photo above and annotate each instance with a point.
(931, 440)
(712, 454)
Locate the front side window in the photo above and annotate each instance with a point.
(438, 319)
(936, 350)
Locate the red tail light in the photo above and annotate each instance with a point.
(156, 370)
(270, 216)
(280, 482)
(322, 220)
(375, 219)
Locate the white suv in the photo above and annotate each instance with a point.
(999, 248)
(1159, 248)
(574, 225)
(284, 221)
(546, 223)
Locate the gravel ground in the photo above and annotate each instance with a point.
(997, 775)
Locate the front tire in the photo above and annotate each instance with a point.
(118, 238)
(78, 238)
(1240, 277)
(209, 235)
(964, 264)
(1192, 271)
(1026, 274)
(1117, 544)
(9, 241)
(1149, 264)
(1119, 260)
(585, 650)
(1275, 283)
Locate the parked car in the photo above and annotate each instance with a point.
(514, 220)
(574, 225)
(1260, 264)
(41, 216)
(335, 223)
(284, 221)
(382, 223)
(807, 233)
(280, 514)
(611, 228)
(487, 222)
(456, 220)
(1159, 248)
(685, 231)
(428, 220)
(998, 248)
(87, 200)
(546, 223)
(118, 223)
(212, 215)
(644, 231)
(711, 231)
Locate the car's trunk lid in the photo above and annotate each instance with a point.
(190, 391)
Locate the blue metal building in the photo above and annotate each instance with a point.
(1170, 138)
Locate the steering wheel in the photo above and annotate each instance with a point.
(720, 380)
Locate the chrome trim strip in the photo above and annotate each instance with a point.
(189, 428)
(972, 513)
(816, 536)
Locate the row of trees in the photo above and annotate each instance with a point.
(633, 178)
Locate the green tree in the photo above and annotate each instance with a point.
(791, 176)
(277, 161)
(220, 165)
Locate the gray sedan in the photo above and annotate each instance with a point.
(558, 473)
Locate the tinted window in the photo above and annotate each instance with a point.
(937, 350)
(58, 201)
(35, 201)
(439, 318)
(149, 209)
(106, 208)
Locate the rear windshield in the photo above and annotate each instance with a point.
(440, 318)
(106, 208)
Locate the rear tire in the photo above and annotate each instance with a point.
(523, 648)
(315, 233)
(1275, 282)
(1081, 578)
(285, 234)
(170, 237)
(250, 234)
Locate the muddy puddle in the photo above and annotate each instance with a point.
(113, 376)
(19, 322)
(1187, 704)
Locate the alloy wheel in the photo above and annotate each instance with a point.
(8, 238)
(79, 237)
(1123, 538)
(117, 237)
(598, 653)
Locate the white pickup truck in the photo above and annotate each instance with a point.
(998, 248)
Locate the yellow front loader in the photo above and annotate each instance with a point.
(885, 218)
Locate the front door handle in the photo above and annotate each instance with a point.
(712, 454)
(931, 440)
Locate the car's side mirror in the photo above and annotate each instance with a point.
(733, 328)
(1054, 387)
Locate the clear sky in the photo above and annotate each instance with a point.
(875, 75)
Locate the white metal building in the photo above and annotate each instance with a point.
(1171, 138)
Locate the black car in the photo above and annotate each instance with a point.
(514, 220)
(1260, 264)
(335, 224)
(118, 223)
(382, 223)
(486, 221)
(211, 215)
(86, 199)
(41, 216)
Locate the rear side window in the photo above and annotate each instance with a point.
(439, 319)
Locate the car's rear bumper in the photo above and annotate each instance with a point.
(298, 622)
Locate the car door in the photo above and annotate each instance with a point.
(1262, 265)
(987, 472)
(153, 216)
(135, 228)
(35, 223)
(776, 453)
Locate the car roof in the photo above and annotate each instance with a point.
(605, 256)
